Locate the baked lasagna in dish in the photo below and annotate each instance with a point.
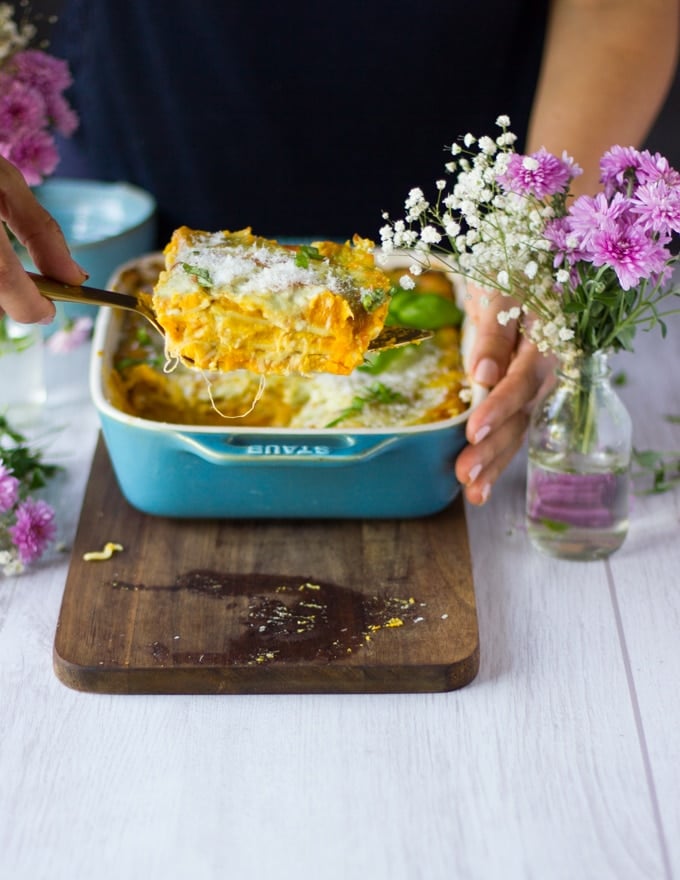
(233, 300)
(413, 385)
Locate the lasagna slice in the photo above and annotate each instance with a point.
(234, 300)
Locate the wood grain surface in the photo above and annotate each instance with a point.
(198, 606)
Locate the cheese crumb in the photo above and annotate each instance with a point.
(106, 553)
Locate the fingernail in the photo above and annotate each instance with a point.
(46, 320)
(473, 473)
(486, 491)
(486, 372)
(481, 434)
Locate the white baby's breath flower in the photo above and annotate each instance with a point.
(562, 276)
(503, 121)
(531, 269)
(503, 278)
(406, 282)
(487, 145)
(469, 139)
(441, 184)
(465, 394)
(451, 227)
(455, 149)
(429, 235)
(415, 269)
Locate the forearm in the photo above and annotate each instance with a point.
(606, 70)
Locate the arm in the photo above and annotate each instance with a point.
(39, 232)
(607, 67)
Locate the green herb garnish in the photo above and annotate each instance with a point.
(371, 299)
(203, 276)
(306, 252)
(124, 363)
(378, 393)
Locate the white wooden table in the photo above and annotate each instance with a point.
(561, 760)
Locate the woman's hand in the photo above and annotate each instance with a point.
(504, 361)
(39, 232)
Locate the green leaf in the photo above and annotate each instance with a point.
(423, 311)
(306, 252)
(203, 276)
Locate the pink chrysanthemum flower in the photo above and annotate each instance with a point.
(617, 166)
(33, 530)
(21, 109)
(654, 166)
(631, 253)
(9, 489)
(47, 74)
(541, 174)
(589, 214)
(34, 154)
(658, 206)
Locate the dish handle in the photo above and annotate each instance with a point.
(259, 450)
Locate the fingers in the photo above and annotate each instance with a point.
(496, 428)
(494, 343)
(40, 233)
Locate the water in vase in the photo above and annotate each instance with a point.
(576, 515)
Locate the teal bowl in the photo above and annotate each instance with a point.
(105, 225)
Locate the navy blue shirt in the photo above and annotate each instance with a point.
(283, 116)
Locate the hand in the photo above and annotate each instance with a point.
(41, 235)
(503, 360)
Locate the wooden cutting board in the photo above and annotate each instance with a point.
(228, 606)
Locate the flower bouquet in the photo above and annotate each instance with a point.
(581, 276)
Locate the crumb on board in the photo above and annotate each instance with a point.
(105, 553)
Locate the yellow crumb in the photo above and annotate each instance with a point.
(99, 555)
(395, 621)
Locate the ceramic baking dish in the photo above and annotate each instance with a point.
(248, 472)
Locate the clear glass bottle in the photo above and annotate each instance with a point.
(22, 371)
(579, 448)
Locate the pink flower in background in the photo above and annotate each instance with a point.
(9, 489)
(33, 530)
(32, 103)
(71, 336)
(34, 153)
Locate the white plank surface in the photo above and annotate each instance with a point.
(561, 760)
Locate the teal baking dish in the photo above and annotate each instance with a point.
(230, 472)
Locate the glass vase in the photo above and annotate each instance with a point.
(22, 372)
(579, 451)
